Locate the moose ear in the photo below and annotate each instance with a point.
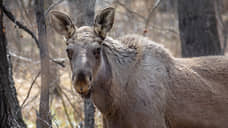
(104, 22)
(62, 24)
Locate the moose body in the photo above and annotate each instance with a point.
(136, 83)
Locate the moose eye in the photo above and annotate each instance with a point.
(97, 52)
(69, 53)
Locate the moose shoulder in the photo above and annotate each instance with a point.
(136, 83)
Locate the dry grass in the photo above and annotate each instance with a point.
(73, 102)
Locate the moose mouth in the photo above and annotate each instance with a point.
(86, 95)
(83, 89)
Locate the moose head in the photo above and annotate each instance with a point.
(84, 46)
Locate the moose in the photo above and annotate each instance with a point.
(137, 83)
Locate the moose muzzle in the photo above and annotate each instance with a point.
(82, 82)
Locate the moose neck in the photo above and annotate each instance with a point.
(112, 76)
(121, 59)
(101, 88)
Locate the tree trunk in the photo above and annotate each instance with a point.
(83, 12)
(54, 77)
(10, 111)
(198, 28)
(43, 118)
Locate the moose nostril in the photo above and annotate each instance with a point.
(73, 77)
(90, 77)
(81, 76)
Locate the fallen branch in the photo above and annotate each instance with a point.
(20, 25)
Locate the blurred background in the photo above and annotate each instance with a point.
(157, 20)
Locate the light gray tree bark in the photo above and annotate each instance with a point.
(43, 117)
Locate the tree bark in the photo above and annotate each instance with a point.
(10, 111)
(44, 118)
(198, 28)
(83, 12)
(54, 87)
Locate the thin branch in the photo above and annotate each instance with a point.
(147, 21)
(224, 31)
(107, 2)
(25, 11)
(32, 99)
(66, 112)
(163, 29)
(72, 105)
(20, 25)
(58, 61)
(29, 91)
(129, 10)
(56, 124)
(52, 6)
(23, 58)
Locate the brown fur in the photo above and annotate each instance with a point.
(136, 83)
(185, 93)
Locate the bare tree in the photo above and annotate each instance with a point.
(10, 112)
(43, 118)
(83, 11)
(198, 28)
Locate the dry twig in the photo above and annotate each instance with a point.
(147, 20)
(72, 105)
(29, 91)
(21, 26)
(59, 61)
(129, 10)
(66, 112)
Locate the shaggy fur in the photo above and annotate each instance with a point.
(138, 84)
(150, 88)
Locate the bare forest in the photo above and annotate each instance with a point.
(37, 78)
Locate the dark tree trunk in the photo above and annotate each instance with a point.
(10, 111)
(198, 28)
(44, 118)
(83, 12)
